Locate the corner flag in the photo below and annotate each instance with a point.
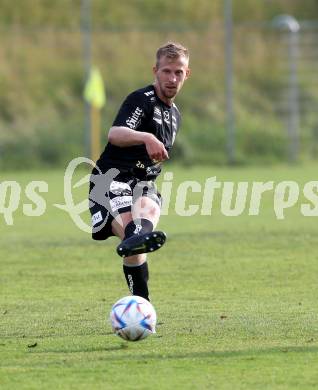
(94, 92)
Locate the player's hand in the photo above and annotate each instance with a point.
(155, 148)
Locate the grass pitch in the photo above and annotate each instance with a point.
(236, 297)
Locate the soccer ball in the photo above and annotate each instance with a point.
(133, 318)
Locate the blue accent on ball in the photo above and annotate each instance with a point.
(145, 324)
(129, 304)
(119, 320)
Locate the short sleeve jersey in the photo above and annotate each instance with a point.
(143, 111)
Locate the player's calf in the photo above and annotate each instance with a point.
(137, 276)
(139, 238)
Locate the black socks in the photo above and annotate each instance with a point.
(137, 276)
(137, 279)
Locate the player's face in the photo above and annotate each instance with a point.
(170, 75)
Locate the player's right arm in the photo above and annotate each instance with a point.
(124, 136)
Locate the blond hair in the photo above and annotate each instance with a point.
(171, 50)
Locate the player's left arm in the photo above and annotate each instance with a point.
(128, 129)
(123, 137)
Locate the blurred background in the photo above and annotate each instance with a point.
(252, 97)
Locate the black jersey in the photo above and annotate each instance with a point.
(143, 111)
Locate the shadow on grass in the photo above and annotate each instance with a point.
(248, 354)
(123, 346)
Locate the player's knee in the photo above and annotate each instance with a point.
(135, 260)
(146, 208)
(153, 211)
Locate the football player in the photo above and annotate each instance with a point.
(123, 197)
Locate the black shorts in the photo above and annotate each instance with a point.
(113, 193)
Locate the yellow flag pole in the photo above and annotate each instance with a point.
(95, 133)
(94, 93)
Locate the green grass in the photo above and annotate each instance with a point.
(236, 297)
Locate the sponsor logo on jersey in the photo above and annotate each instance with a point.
(97, 217)
(157, 111)
(166, 115)
(149, 93)
(134, 120)
(120, 202)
